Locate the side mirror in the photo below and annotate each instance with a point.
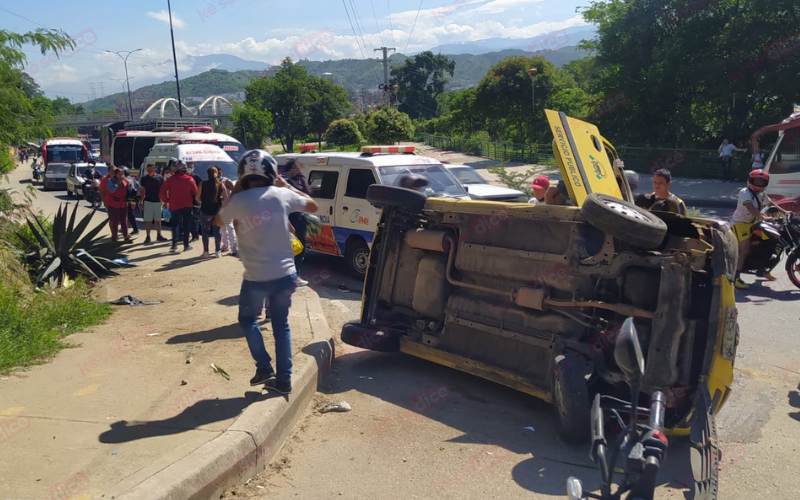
(574, 488)
(628, 352)
(466, 188)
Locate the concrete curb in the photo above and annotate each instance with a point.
(246, 447)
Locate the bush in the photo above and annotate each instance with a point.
(32, 324)
(342, 133)
(388, 126)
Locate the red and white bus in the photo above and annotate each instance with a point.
(63, 150)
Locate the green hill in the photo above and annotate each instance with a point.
(352, 74)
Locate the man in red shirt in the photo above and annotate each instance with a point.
(178, 193)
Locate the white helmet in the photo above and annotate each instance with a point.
(257, 163)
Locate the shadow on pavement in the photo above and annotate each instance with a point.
(178, 263)
(203, 412)
(794, 402)
(485, 413)
(221, 333)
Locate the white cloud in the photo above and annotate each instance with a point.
(500, 6)
(163, 15)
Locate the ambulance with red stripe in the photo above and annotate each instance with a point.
(339, 182)
(783, 162)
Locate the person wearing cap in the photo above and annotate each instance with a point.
(540, 186)
(292, 173)
(415, 182)
(259, 210)
(178, 193)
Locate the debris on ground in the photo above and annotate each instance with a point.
(183, 382)
(128, 300)
(340, 407)
(343, 288)
(219, 370)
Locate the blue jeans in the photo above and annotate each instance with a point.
(251, 299)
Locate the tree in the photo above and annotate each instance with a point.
(420, 81)
(31, 88)
(251, 125)
(503, 98)
(343, 133)
(680, 64)
(329, 102)
(23, 117)
(287, 96)
(387, 126)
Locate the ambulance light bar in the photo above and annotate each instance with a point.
(388, 149)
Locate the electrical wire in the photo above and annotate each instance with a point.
(413, 26)
(352, 28)
(375, 16)
(391, 27)
(359, 25)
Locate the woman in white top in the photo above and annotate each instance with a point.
(228, 233)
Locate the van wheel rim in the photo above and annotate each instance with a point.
(360, 261)
(626, 211)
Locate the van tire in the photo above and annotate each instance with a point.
(356, 255)
(571, 401)
(624, 221)
(383, 196)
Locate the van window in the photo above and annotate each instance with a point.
(358, 180)
(323, 184)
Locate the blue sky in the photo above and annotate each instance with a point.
(259, 30)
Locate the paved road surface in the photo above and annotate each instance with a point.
(474, 445)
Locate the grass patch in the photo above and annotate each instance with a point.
(32, 324)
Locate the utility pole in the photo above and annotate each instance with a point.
(385, 87)
(175, 59)
(91, 90)
(102, 90)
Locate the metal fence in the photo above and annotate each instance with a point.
(689, 163)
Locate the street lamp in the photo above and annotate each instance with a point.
(125, 62)
(122, 82)
(532, 73)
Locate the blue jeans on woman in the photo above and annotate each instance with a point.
(209, 228)
(251, 299)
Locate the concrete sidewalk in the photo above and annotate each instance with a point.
(695, 192)
(135, 410)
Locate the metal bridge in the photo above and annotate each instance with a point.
(213, 108)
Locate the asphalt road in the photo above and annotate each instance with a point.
(482, 440)
(486, 441)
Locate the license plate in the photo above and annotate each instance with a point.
(730, 338)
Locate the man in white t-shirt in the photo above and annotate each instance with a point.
(726, 150)
(259, 210)
(752, 199)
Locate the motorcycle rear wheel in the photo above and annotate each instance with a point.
(793, 268)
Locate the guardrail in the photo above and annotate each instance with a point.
(105, 118)
(689, 163)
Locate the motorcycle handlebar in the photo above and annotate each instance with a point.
(657, 407)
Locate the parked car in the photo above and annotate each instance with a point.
(55, 176)
(533, 296)
(480, 189)
(75, 178)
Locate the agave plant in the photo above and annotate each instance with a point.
(69, 252)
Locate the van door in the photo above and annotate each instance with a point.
(353, 212)
(323, 183)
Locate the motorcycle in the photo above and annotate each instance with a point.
(769, 240)
(91, 192)
(37, 171)
(642, 445)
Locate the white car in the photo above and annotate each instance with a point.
(479, 189)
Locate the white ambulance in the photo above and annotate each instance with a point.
(339, 182)
(201, 155)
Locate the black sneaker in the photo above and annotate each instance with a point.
(173, 248)
(263, 376)
(161, 238)
(187, 248)
(147, 241)
(283, 387)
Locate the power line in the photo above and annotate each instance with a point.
(375, 16)
(361, 29)
(391, 27)
(354, 30)
(413, 26)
